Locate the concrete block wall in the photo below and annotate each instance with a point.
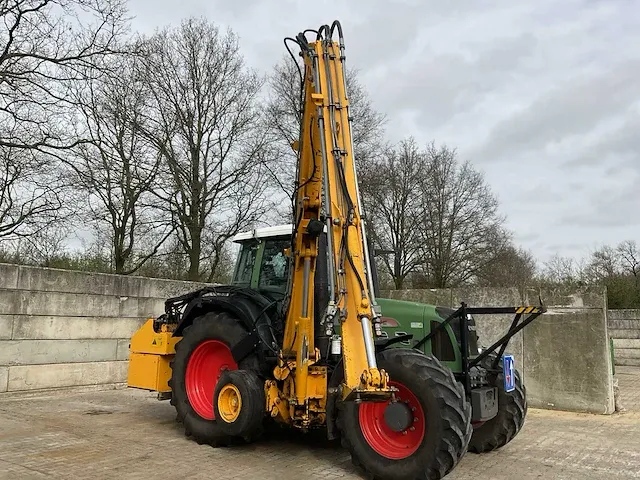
(62, 328)
(624, 329)
(564, 355)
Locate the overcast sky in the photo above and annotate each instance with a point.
(542, 96)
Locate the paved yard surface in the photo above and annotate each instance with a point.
(128, 434)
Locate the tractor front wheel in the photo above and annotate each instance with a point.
(421, 436)
(202, 355)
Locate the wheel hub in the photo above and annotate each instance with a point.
(229, 403)
(394, 430)
(398, 416)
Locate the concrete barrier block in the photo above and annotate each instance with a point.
(150, 307)
(565, 297)
(4, 379)
(9, 275)
(122, 351)
(163, 288)
(34, 377)
(624, 324)
(438, 297)
(33, 352)
(78, 305)
(628, 362)
(487, 297)
(627, 352)
(624, 333)
(127, 285)
(6, 326)
(626, 343)
(69, 281)
(624, 314)
(11, 302)
(47, 327)
(568, 362)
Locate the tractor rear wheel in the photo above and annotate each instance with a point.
(512, 411)
(423, 436)
(202, 355)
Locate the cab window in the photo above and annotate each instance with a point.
(246, 260)
(274, 267)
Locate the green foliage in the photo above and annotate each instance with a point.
(622, 291)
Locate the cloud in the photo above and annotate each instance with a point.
(541, 96)
(570, 110)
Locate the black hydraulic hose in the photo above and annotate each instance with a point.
(293, 57)
(326, 29)
(255, 323)
(336, 24)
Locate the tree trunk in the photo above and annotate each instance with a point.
(194, 255)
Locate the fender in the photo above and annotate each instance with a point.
(201, 305)
(250, 308)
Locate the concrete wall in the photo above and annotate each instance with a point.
(564, 355)
(624, 329)
(64, 329)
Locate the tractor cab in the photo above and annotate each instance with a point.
(263, 262)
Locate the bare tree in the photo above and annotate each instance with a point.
(511, 267)
(630, 259)
(603, 264)
(45, 46)
(30, 194)
(562, 270)
(117, 167)
(47, 247)
(462, 230)
(392, 203)
(617, 268)
(205, 123)
(284, 115)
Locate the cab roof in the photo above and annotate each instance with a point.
(265, 232)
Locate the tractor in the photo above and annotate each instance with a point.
(300, 338)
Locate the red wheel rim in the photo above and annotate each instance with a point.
(203, 371)
(385, 441)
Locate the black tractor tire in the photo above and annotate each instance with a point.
(211, 337)
(445, 425)
(248, 421)
(512, 411)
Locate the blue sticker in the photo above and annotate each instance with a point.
(509, 374)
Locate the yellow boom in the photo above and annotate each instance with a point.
(327, 197)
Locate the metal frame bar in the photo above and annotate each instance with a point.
(514, 324)
(462, 313)
(504, 340)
